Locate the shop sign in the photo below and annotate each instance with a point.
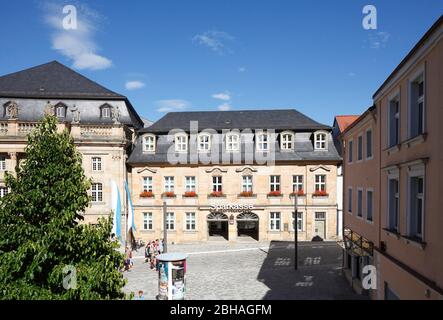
(231, 207)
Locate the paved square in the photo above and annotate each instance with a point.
(221, 271)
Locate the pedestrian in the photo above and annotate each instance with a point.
(128, 256)
(148, 251)
(160, 246)
(139, 295)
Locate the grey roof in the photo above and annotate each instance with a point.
(52, 80)
(253, 119)
(303, 151)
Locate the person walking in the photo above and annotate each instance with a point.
(160, 246)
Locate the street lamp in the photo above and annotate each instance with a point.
(165, 231)
(295, 232)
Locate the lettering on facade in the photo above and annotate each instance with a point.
(231, 207)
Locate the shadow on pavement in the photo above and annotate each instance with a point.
(319, 274)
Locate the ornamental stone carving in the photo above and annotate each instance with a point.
(12, 110)
(49, 109)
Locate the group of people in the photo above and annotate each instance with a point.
(152, 250)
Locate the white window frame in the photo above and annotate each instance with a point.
(181, 142)
(367, 143)
(169, 184)
(247, 183)
(106, 112)
(148, 222)
(147, 183)
(320, 183)
(217, 183)
(274, 217)
(190, 184)
(369, 190)
(416, 172)
(274, 183)
(394, 98)
(2, 163)
(201, 142)
(97, 192)
(63, 111)
(149, 143)
(320, 144)
(232, 142)
(296, 183)
(170, 220)
(416, 78)
(300, 218)
(3, 191)
(190, 220)
(96, 164)
(287, 144)
(261, 142)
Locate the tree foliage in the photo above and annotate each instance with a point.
(40, 233)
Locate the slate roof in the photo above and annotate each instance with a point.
(253, 119)
(53, 80)
(303, 151)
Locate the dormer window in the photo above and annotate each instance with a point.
(262, 142)
(181, 142)
(287, 140)
(60, 110)
(232, 142)
(320, 141)
(149, 143)
(105, 111)
(204, 142)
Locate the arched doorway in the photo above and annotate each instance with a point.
(218, 225)
(247, 225)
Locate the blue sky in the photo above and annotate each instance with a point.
(195, 55)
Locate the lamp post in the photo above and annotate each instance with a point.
(295, 232)
(165, 231)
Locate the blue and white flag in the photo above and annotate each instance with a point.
(131, 224)
(116, 209)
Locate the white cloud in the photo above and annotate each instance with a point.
(133, 85)
(352, 74)
(225, 96)
(378, 40)
(77, 45)
(224, 106)
(214, 40)
(172, 105)
(241, 69)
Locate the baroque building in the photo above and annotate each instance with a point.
(233, 175)
(101, 122)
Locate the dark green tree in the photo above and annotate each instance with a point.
(45, 253)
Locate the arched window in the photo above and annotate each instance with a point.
(149, 143)
(287, 140)
(320, 141)
(105, 111)
(204, 142)
(60, 110)
(181, 142)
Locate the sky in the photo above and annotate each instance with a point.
(194, 55)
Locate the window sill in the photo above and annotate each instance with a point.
(147, 231)
(146, 198)
(392, 233)
(271, 197)
(371, 222)
(274, 231)
(189, 197)
(190, 231)
(98, 203)
(254, 196)
(215, 197)
(369, 158)
(393, 149)
(414, 241)
(298, 195)
(415, 140)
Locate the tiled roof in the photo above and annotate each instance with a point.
(345, 121)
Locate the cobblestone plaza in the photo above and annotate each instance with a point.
(260, 270)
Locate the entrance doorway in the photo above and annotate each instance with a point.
(218, 226)
(320, 225)
(247, 225)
